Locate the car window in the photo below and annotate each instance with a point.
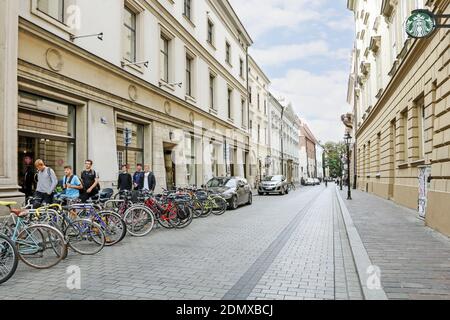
(218, 182)
(231, 183)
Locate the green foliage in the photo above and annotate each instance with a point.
(333, 155)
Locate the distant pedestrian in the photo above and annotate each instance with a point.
(90, 181)
(149, 179)
(125, 181)
(138, 178)
(47, 182)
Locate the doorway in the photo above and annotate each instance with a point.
(170, 167)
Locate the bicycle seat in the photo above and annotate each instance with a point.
(19, 212)
(7, 203)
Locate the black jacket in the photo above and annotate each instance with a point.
(151, 182)
(125, 182)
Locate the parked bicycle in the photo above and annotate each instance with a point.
(9, 258)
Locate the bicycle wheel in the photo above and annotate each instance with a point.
(139, 220)
(41, 246)
(207, 208)
(184, 216)
(85, 237)
(219, 205)
(9, 258)
(112, 224)
(197, 208)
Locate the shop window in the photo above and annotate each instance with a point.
(191, 164)
(134, 154)
(46, 130)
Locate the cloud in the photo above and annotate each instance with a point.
(263, 16)
(320, 99)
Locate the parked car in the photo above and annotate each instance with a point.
(273, 184)
(309, 182)
(235, 190)
(316, 181)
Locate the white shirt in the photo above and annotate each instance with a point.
(146, 181)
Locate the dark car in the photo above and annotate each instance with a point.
(273, 184)
(235, 190)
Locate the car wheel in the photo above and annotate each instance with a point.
(234, 203)
(287, 190)
(250, 199)
(260, 193)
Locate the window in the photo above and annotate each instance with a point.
(250, 94)
(258, 102)
(47, 131)
(227, 52)
(52, 8)
(189, 75)
(187, 9)
(191, 165)
(212, 83)
(251, 126)
(404, 126)
(265, 107)
(420, 107)
(243, 110)
(135, 152)
(129, 34)
(241, 68)
(210, 37)
(164, 58)
(393, 148)
(378, 152)
(259, 133)
(230, 105)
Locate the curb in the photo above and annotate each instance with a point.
(360, 255)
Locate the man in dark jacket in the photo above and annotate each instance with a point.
(149, 180)
(29, 177)
(90, 182)
(125, 181)
(138, 178)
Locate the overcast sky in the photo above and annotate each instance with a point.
(304, 46)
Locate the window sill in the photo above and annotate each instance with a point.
(229, 64)
(51, 20)
(163, 84)
(213, 111)
(403, 165)
(211, 45)
(190, 99)
(418, 163)
(131, 67)
(189, 21)
(230, 120)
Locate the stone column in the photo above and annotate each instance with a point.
(9, 27)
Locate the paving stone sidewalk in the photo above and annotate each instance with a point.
(414, 260)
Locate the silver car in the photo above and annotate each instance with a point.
(273, 184)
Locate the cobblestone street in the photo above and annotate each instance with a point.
(292, 247)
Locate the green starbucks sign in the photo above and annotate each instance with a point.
(420, 24)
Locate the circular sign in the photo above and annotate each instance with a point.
(420, 24)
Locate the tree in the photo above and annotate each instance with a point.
(334, 152)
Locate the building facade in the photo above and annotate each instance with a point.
(283, 141)
(307, 152)
(258, 90)
(399, 89)
(174, 72)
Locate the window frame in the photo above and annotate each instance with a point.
(125, 26)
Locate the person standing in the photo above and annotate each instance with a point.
(90, 182)
(71, 184)
(138, 178)
(47, 182)
(29, 179)
(149, 179)
(125, 181)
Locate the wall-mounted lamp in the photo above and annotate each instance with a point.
(125, 64)
(179, 84)
(103, 120)
(98, 35)
(171, 135)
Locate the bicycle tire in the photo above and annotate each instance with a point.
(140, 220)
(27, 238)
(221, 206)
(118, 227)
(197, 206)
(7, 249)
(87, 233)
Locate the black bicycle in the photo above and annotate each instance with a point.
(9, 258)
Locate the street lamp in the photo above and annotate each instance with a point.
(348, 140)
